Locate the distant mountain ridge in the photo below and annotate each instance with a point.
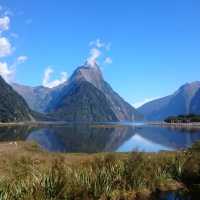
(59, 101)
(36, 97)
(182, 102)
(195, 103)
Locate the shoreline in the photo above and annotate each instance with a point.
(176, 125)
(32, 123)
(193, 125)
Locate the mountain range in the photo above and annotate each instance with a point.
(186, 100)
(85, 96)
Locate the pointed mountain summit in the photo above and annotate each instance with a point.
(90, 73)
(85, 96)
(179, 103)
(92, 78)
(13, 107)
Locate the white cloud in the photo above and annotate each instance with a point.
(47, 74)
(6, 72)
(108, 60)
(140, 103)
(4, 23)
(50, 84)
(94, 55)
(5, 47)
(98, 43)
(22, 59)
(97, 49)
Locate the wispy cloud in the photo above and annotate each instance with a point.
(5, 47)
(142, 102)
(94, 55)
(53, 83)
(22, 59)
(98, 48)
(98, 43)
(108, 60)
(6, 72)
(5, 11)
(4, 23)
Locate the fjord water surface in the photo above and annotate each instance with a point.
(90, 138)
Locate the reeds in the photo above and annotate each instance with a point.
(105, 177)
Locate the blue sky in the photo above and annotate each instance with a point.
(155, 45)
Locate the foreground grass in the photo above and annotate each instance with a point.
(27, 173)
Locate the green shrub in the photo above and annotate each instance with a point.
(195, 147)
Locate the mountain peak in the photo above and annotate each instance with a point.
(192, 85)
(189, 88)
(88, 72)
(92, 65)
(84, 96)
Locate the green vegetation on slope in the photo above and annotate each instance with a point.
(183, 119)
(13, 107)
(32, 174)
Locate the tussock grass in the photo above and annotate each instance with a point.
(31, 174)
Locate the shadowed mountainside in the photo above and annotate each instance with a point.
(13, 107)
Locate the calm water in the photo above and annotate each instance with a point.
(176, 195)
(87, 138)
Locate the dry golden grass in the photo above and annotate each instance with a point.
(25, 168)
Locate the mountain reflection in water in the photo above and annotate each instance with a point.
(89, 139)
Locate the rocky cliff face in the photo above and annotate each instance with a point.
(83, 103)
(13, 108)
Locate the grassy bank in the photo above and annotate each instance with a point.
(27, 173)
